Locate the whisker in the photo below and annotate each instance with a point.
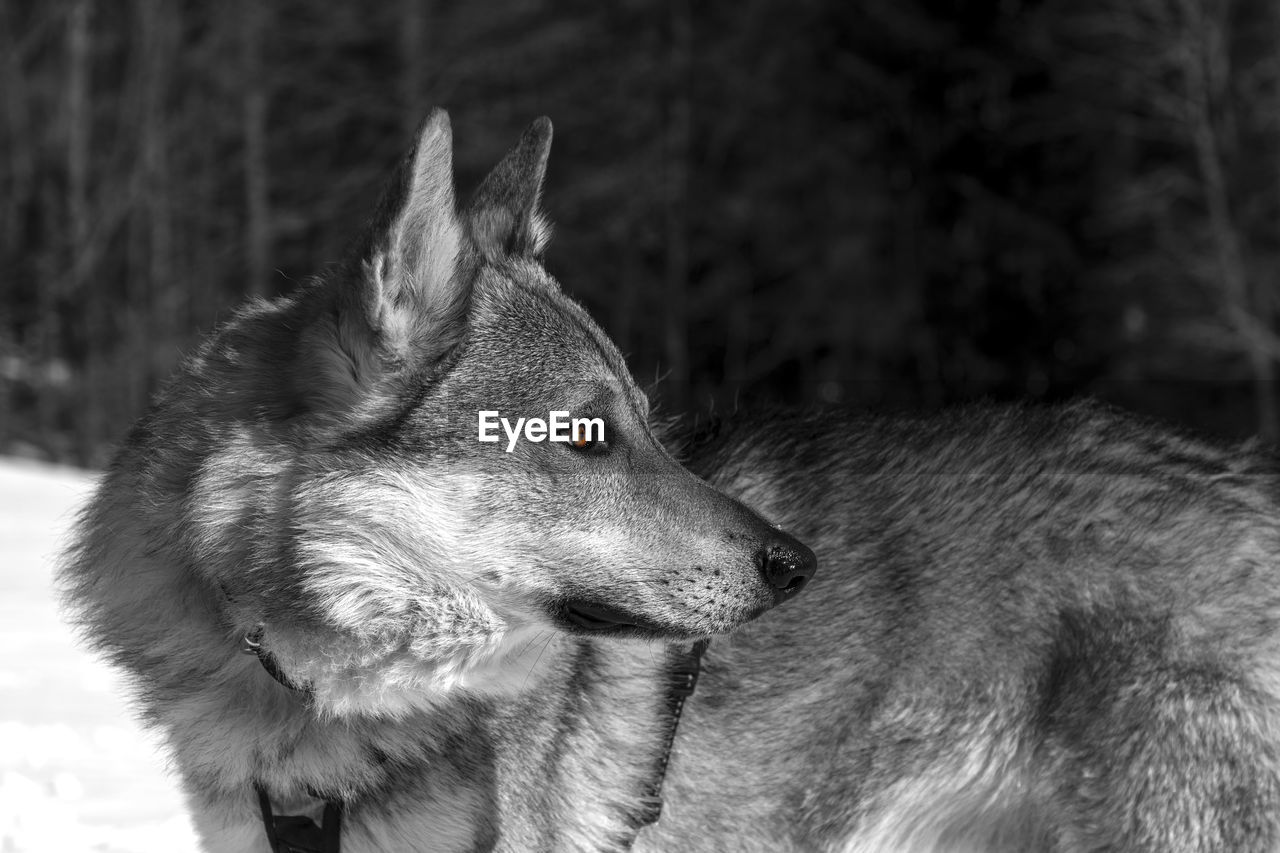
(550, 637)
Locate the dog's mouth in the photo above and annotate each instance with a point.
(595, 617)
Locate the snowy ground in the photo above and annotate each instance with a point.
(76, 772)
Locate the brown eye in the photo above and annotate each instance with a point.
(584, 437)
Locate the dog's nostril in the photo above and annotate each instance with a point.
(795, 586)
(787, 567)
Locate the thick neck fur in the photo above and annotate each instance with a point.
(517, 773)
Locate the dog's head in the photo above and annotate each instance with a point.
(412, 543)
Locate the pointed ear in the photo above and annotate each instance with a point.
(394, 308)
(400, 300)
(412, 295)
(503, 217)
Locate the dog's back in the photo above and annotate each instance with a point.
(1047, 629)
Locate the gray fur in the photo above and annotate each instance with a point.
(314, 473)
(1034, 629)
(503, 213)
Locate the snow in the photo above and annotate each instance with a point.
(77, 772)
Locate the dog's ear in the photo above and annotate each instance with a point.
(503, 217)
(399, 303)
(413, 296)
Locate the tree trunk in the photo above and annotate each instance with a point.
(94, 316)
(1207, 74)
(38, 343)
(156, 291)
(678, 137)
(415, 19)
(257, 233)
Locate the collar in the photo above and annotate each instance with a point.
(251, 644)
(683, 669)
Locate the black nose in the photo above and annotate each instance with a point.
(787, 566)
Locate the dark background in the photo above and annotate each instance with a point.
(885, 203)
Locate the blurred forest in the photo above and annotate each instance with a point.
(887, 203)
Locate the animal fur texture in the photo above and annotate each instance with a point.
(1047, 629)
(478, 636)
(1032, 629)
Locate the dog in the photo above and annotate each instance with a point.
(456, 643)
(1047, 629)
